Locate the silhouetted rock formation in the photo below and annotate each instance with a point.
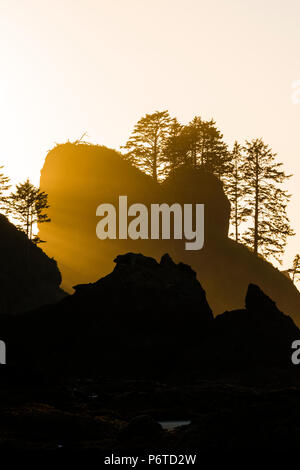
(79, 177)
(258, 336)
(136, 320)
(149, 319)
(141, 291)
(110, 342)
(28, 277)
(195, 186)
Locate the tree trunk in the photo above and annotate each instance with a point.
(255, 241)
(236, 212)
(154, 163)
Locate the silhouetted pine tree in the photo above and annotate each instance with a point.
(145, 146)
(295, 270)
(266, 200)
(4, 186)
(27, 205)
(205, 146)
(236, 189)
(176, 146)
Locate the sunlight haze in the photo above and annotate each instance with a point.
(75, 66)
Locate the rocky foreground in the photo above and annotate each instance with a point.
(105, 368)
(122, 416)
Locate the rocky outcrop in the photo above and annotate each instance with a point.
(150, 319)
(141, 289)
(137, 320)
(106, 367)
(259, 336)
(79, 177)
(28, 277)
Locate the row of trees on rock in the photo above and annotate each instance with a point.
(251, 174)
(159, 144)
(27, 205)
(258, 200)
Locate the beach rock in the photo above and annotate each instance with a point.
(143, 426)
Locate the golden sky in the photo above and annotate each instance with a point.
(96, 66)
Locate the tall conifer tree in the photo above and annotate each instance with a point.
(237, 190)
(267, 201)
(145, 146)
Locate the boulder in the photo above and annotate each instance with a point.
(143, 426)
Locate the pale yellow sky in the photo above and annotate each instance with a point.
(74, 66)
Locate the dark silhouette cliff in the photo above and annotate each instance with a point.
(28, 277)
(149, 319)
(79, 177)
(137, 320)
(257, 336)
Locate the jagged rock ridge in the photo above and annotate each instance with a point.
(150, 319)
